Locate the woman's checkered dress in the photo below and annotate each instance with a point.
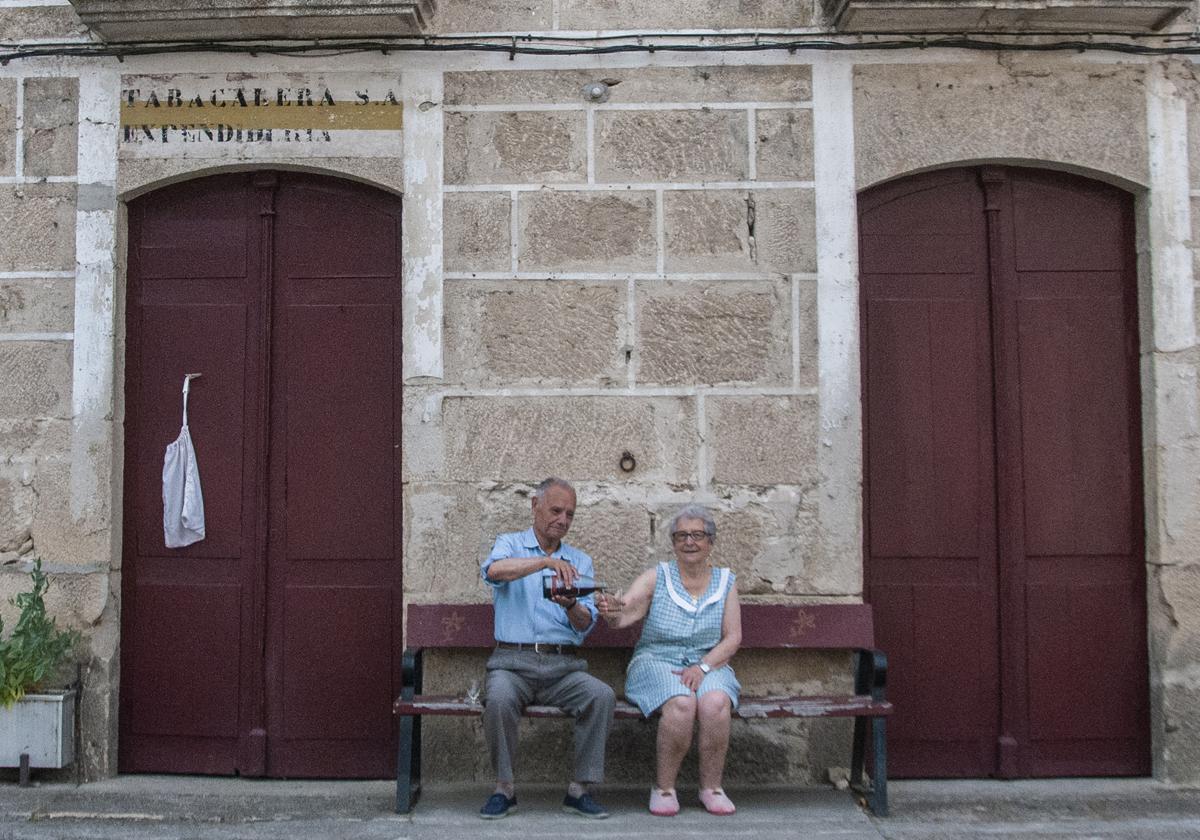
(678, 631)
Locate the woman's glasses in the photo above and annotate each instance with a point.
(684, 536)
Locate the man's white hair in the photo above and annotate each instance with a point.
(552, 481)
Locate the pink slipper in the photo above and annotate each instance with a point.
(716, 802)
(663, 803)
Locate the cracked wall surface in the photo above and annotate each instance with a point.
(664, 273)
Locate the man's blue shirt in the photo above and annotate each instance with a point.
(522, 614)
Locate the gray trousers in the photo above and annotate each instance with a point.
(518, 678)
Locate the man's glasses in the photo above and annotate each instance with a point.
(684, 536)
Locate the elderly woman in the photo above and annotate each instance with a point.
(681, 664)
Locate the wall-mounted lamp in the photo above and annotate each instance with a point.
(596, 92)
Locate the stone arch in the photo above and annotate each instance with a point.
(138, 177)
(1115, 179)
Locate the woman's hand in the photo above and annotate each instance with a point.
(691, 677)
(630, 606)
(610, 606)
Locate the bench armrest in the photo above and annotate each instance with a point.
(870, 673)
(411, 672)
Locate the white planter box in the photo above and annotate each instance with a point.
(41, 725)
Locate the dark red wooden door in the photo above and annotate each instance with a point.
(1004, 550)
(271, 647)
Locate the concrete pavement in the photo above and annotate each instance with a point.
(182, 808)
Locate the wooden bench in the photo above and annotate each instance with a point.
(809, 627)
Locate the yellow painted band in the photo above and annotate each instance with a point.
(341, 116)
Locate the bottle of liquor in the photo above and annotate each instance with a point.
(553, 586)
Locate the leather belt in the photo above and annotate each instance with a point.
(539, 647)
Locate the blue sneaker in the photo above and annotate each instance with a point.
(584, 806)
(497, 807)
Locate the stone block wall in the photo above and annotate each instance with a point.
(41, 515)
(37, 262)
(636, 275)
(1172, 374)
(40, 23)
(914, 117)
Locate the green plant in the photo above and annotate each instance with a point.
(35, 647)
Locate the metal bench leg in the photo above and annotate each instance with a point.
(858, 752)
(879, 797)
(408, 764)
(23, 774)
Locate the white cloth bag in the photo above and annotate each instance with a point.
(183, 503)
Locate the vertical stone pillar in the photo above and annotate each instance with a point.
(1171, 435)
(422, 225)
(94, 486)
(839, 437)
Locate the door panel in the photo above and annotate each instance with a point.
(197, 338)
(926, 397)
(339, 433)
(186, 619)
(270, 647)
(335, 603)
(1081, 554)
(1003, 492)
(930, 502)
(1064, 223)
(316, 658)
(1074, 413)
(194, 610)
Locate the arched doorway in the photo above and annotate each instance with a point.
(272, 646)
(1003, 493)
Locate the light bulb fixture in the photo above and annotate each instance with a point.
(596, 92)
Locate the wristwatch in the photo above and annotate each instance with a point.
(704, 666)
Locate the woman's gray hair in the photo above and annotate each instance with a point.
(695, 511)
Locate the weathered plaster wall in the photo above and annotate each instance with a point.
(1170, 373)
(634, 276)
(911, 117)
(41, 178)
(46, 22)
(598, 264)
(671, 273)
(549, 15)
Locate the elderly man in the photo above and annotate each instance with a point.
(536, 658)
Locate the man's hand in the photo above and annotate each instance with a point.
(513, 568)
(564, 601)
(564, 571)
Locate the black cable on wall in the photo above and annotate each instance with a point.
(543, 45)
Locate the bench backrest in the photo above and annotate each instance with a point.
(810, 626)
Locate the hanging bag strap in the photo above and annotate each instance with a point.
(187, 384)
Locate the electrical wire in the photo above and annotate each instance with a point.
(593, 45)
